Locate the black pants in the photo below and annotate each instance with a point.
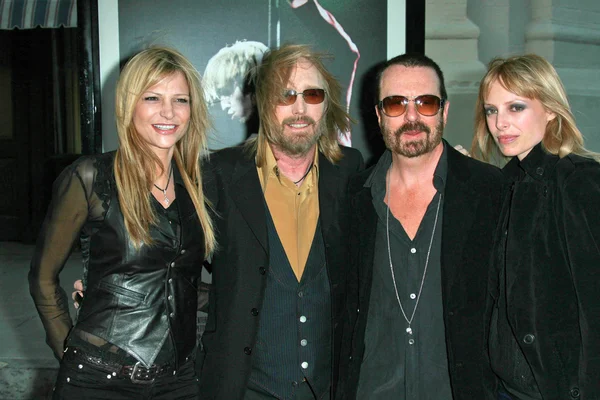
(78, 379)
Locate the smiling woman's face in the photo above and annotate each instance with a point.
(162, 113)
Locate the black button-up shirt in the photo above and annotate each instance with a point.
(397, 364)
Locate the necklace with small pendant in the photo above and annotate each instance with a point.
(164, 191)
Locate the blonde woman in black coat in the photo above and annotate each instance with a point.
(544, 338)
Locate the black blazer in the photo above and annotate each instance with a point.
(240, 264)
(471, 207)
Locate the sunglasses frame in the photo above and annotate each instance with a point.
(413, 99)
(292, 93)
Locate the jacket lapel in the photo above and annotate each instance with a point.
(459, 202)
(329, 180)
(249, 198)
(364, 227)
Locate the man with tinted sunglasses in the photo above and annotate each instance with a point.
(279, 274)
(422, 223)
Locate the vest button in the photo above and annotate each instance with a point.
(301, 294)
(529, 338)
(304, 365)
(302, 319)
(303, 342)
(262, 270)
(254, 312)
(294, 383)
(575, 393)
(247, 350)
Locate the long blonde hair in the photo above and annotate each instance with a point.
(533, 77)
(271, 81)
(136, 164)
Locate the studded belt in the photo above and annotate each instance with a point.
(137, 373)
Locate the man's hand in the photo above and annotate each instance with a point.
(77, 295)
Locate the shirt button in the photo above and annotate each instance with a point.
(170, 280)
(173, 264)
(304, 365)
(539, 171)
(172, 315)
(303, 342)
(302, 319)
(247, 351)
(169, 297)
(182, 251)
(294, 383)
(254, 312)
(529, 338)
(413, 296)
(413, 250)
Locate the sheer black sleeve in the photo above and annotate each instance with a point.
(66, 216)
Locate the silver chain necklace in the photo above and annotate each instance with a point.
(387, 226)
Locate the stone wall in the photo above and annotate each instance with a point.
(464, 35)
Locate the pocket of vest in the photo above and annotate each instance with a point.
(121, 291)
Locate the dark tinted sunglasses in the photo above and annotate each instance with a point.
(311, 96)
(427, 105)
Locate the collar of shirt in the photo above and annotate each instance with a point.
(537, 165)
(270, 171)
(377, 179)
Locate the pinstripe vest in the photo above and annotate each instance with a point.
(294, 335)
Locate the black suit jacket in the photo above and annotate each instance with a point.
(239, 266)
(471, 206)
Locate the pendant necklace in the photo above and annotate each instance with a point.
(387, 225)
(164, 191)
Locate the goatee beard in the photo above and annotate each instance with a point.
(299, 144)
(413, 148)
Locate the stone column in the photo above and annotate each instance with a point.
(567, 33)
(451, 40)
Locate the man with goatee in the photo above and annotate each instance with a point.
(422, 223)
(279, 274)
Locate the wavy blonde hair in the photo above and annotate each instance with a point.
(271, 82)
(136, 164)
(533, 77)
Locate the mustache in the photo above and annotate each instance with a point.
(413, 126)
(294, 120)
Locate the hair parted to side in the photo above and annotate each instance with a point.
(136, 164)
(413, 60)
(271, 82)
(533, 77)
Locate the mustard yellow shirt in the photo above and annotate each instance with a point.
(295, 210)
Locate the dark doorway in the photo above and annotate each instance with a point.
(39, 123)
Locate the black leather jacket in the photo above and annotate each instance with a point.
(135, 298)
